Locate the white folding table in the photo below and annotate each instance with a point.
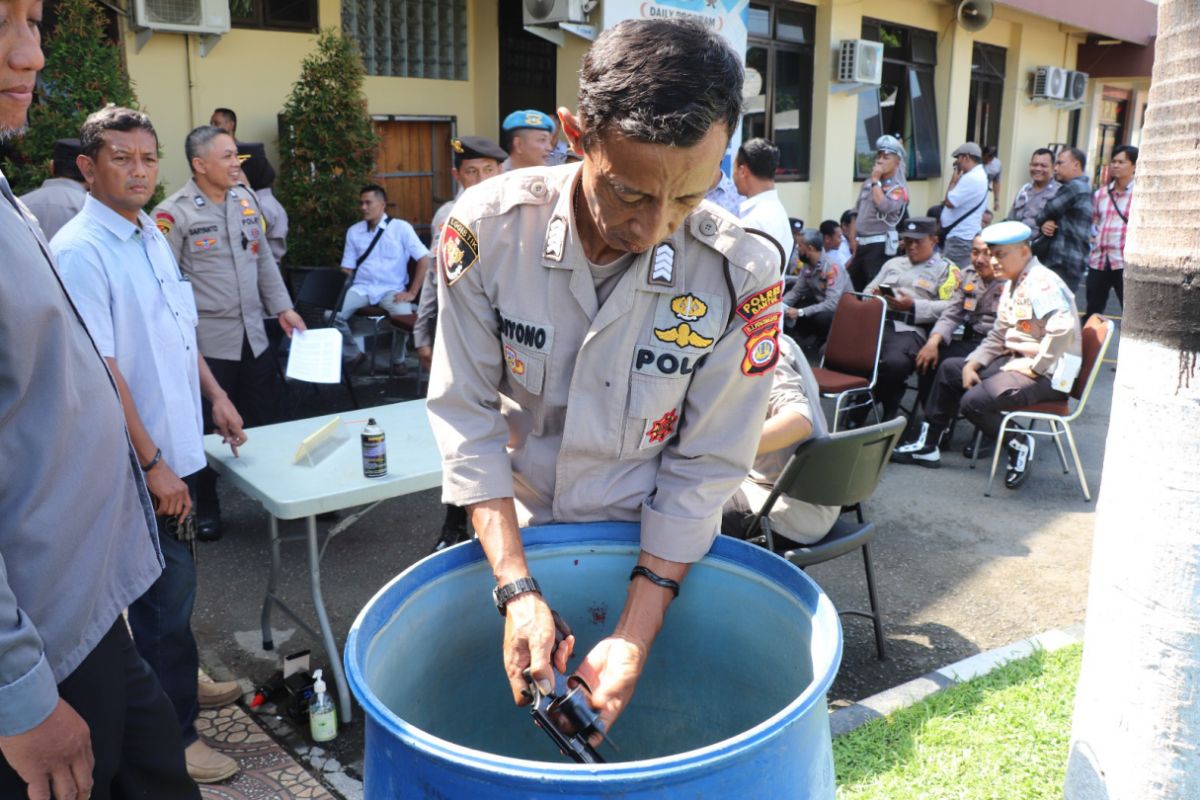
(265, 472)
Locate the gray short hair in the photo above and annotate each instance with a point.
(659, 81)
(197, 142)
(812, 237)
(111, 118)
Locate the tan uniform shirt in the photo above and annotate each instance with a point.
(930, 284)
(973, 306)
(1037, 320)
(222, 249)
(55, 203)
(642, 409)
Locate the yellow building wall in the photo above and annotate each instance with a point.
(253, 71)
(1029, 41)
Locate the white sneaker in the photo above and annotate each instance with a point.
(915, 444)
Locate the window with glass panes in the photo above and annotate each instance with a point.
(279, 15)
(779, 83)
(410, 38)
(904, 104)
(987, 93)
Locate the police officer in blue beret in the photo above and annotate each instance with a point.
(528, 136)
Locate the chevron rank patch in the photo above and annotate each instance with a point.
(662, 271)
(760, 301)
(556, 237)
(459, 250)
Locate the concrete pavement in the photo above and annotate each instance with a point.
(958, 573)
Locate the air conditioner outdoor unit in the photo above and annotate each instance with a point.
(551, 12)
(1049, 83)
(1076, 87)
(860, 61)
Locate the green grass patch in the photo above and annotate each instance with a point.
(1003, 735)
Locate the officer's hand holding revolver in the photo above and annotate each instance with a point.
(529, 643)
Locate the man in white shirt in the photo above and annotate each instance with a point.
(376, 258)
(833, 243)
(962, 210)
(761, 212)
(139, 308)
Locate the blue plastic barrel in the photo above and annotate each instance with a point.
(731, 703)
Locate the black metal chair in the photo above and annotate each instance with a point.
(319, 298)
(840, 469)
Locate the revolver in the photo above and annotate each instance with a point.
(564, 713)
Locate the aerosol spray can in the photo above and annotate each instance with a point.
(374, 450)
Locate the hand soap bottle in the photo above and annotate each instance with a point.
(322, 714)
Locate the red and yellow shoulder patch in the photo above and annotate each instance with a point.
(458, 251)
(760, 301)
(165, 222)
(762, 344)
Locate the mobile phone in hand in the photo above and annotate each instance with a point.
(886, 290)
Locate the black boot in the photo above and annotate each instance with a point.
(454, 529)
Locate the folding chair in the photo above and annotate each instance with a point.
(851, 361)
(1097, 334)
(840, 469)
(320, 297)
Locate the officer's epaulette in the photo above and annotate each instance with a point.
(717, 228)
(503, 193)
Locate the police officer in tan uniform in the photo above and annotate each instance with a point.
(881, 205)
(917, 288)
(216, 231)
(604, 335)
(959, 330)
(1031, 355)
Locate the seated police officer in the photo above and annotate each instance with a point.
(917, 288)
(809, 304)
(1030, 356)
(791, 419)
(960, 328)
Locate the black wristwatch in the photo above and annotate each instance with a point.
(502, 594)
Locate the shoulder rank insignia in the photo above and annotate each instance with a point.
(662, 271)
(556, 237)
(459, 250)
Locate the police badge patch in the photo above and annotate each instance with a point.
(459, 250)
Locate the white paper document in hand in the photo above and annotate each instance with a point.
(316, 356)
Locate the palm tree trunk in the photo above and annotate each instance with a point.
(1136, 731)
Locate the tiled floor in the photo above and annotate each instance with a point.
(268, 773)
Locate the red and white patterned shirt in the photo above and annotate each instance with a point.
(1110, 220)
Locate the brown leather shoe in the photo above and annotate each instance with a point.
(206, 765)
(215, 694)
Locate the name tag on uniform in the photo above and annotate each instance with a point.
(924, 283)
(535, 336)
(1022, 309)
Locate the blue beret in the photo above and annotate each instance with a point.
(1008, 232)
(530, 119)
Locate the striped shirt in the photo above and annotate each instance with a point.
(1110, 221)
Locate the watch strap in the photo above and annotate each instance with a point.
(503, 594)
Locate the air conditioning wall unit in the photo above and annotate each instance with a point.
(1076, 87)
(860, 61)
(552, 12)
(182, 16)
(1049, 83)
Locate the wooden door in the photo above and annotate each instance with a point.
(413, 164)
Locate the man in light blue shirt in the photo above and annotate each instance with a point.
(139, 308)
(376, 258)
(79, 708)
